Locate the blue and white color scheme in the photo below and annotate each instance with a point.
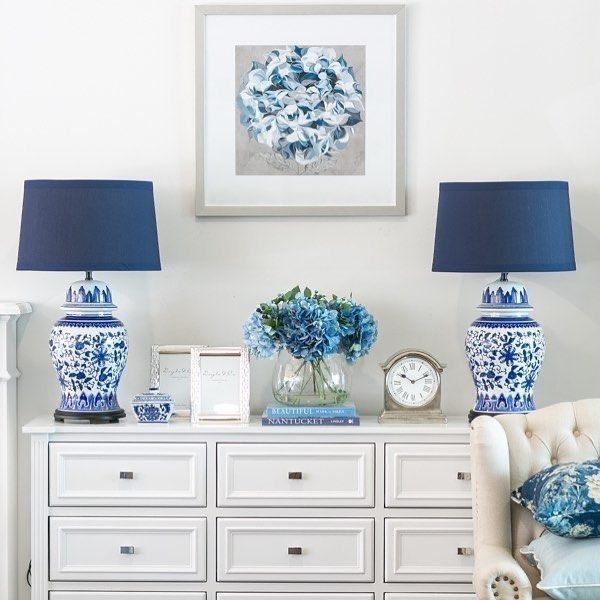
(89, 351)
(564, 498)
(505, 348)
(302, 103)
(87, 225)
(153, 407)
(502, 227)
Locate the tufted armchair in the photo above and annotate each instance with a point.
(506, 451)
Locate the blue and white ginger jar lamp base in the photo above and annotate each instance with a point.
(89, 351)
(505, 349)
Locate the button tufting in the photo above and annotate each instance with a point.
(554, 461)
(576, 433)
(528, 434)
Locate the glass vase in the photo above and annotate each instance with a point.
(322, 382)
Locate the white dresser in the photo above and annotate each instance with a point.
(242, 512)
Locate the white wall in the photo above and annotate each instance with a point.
(503, 89)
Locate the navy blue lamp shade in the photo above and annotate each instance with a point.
(503, 227)
(88, 225)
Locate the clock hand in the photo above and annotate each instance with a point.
(423, 377)
(405, 377)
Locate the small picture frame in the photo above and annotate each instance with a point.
(220, 384)
(170, 371)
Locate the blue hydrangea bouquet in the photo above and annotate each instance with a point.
(316, 339)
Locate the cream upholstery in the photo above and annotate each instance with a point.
(507, 450)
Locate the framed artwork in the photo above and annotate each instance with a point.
(170, 371)
(300, 110)
(220, 384)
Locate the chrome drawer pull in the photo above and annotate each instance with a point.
(295, 550)
(295, 475)
(465, 551)
(127, 549)
(126, 475)
(461, 476)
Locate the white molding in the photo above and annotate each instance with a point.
(9, 315)
(161, 474)
(39, 517)
(433, 555)
(333, 475)
(405, 484)
(127, 596)
(163, 549)
(247, 549)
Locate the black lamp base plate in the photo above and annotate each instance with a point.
(108, 416)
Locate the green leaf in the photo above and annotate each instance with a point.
(307, 293)
(291, 294)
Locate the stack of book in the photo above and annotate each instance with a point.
(340, 415)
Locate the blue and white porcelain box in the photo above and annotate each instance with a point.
(502, 227)
(153, 407)
(87, 226)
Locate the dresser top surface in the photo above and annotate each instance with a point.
(45, 424)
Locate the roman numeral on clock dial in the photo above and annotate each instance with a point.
(412, 382)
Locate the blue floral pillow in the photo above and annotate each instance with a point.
(565, 498)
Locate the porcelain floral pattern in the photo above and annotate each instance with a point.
(505, 358)
(301, 102)
(152, 412)
(565, 498)
(89, 356)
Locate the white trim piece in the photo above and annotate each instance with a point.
(127, 549)
(127, 474)
(447, 536)
(300, 596)
(255, 549)
(126, 596)
(433, 475)
(325, 475)
(9, 315)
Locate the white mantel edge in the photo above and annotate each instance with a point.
(9, 315)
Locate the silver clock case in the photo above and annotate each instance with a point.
(393, 412)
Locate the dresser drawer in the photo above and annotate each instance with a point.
(295, 474)
(127, 549)
(127, 596)
(429, 596)
(428, 550)
(427, 475)
(294, 549)
(107, 474)
(284, 596)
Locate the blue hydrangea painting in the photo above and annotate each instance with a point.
(565, 498)
(300, 110)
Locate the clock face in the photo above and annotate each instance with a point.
(412, 382)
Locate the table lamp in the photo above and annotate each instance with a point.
(503, 227)
(88, 225)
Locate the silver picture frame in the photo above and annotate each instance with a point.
(204, 209)
(220, 384)
(173, 381)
